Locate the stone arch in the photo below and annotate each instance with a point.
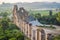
(22, 10)
(42, 34)
(23, 13)
(50, 36)
(38, 30)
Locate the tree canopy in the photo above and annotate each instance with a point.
(9, 31)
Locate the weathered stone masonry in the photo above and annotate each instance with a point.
(20, 16)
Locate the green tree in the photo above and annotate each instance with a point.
(12, 39)
(50, 13)
(38, 15)
(2, 36)
(4, 14)
(9, 31)
(58, 17)
(4, 23)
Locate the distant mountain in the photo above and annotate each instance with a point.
(33, 5)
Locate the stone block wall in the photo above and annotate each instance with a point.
(32, 32)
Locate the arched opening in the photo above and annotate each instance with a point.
(42, 34)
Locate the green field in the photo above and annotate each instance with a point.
(42, 12)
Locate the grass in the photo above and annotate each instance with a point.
(42, 12)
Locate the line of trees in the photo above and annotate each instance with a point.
(49, 19)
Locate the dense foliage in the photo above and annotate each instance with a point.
(48, 19)
(8, 30)
(4, 14)
(58, 17)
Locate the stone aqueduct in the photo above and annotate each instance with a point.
(33, 32)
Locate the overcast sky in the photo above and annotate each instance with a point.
(14, 1)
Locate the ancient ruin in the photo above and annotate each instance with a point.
(21, 19)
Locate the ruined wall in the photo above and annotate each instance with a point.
(32, 32)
